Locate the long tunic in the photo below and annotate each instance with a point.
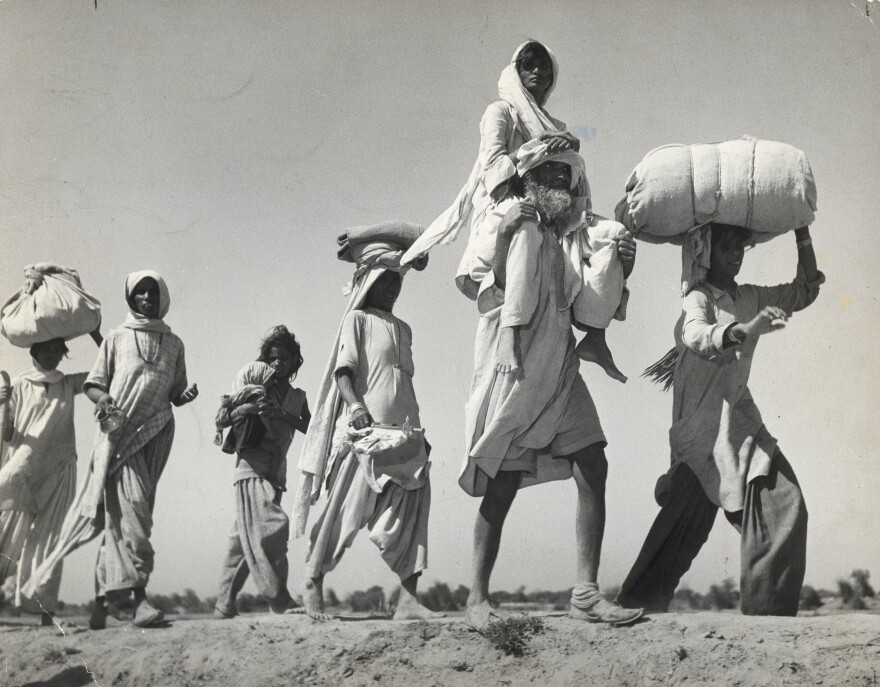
(377, 347)
(717, 428)
(37, 478)
(43, 443)
(268, 461)
(530, 414)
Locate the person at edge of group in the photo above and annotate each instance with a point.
(516, 118)
(530, 418)
(723, 456)
(37, 470)
(368, 380)
(140, 371)
(258, 541)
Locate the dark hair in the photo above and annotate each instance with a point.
(35, 348)
(730, 232)
(530, 51)
(281, 337)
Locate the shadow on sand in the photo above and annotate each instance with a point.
(77, 676)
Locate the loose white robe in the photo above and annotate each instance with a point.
(37, 477)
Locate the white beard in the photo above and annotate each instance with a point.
(554, 205)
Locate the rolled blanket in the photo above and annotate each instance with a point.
(765, 186)
(395, 233)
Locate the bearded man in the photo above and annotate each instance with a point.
(530, 418)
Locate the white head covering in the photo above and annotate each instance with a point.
(511, 90)
(535, 153)
(374, 250)
(535, 120)
(135, 320)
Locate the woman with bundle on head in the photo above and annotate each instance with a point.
(517, 118)
(139, 374)
(37, 470)
(263, 426)
(367, 388)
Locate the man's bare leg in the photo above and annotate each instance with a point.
(590, 471)
(408, 606)
(487, 538)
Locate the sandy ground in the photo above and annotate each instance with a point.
(266, 650)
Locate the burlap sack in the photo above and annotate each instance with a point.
(52, 304)
(765, 186)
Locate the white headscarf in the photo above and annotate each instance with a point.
(535, 120)
(135, 320)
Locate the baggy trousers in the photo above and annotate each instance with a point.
(773, 529)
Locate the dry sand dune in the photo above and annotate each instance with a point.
(265, 650)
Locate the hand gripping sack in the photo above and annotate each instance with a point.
(765, 186)
(52, 304)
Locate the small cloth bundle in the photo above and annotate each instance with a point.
(51, 304)
(384, 451)
(764, 186)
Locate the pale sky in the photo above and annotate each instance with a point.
(226, 144)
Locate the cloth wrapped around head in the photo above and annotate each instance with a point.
(373, 249)
(135, 320)
(535, 153)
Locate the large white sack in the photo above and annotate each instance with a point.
(765, 186)
(52, 304)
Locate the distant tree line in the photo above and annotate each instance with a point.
(851, 591)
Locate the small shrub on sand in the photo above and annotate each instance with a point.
(512, 635)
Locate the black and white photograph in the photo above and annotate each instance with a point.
(439, 344)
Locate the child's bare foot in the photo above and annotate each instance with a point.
(506, 358)
(313, 600)
(593, 349)
(408, 608)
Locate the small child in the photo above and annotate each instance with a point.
(250, 386)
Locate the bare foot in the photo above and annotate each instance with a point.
(313, 601)
(506, 358)
(593, 349)
(408, 608)
(146, 615)
(479, 615)
(98, 618)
